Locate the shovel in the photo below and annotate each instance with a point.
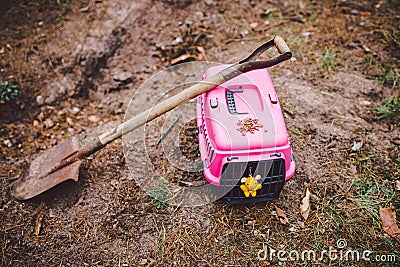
(62, 162)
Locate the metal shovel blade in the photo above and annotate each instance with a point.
(40, 176)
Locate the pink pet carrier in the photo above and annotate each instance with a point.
(243, 141)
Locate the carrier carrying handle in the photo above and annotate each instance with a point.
(250, 62)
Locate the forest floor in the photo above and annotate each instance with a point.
(77, 65)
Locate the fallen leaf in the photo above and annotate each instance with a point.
(180, 58)
(366, 48)
(305, 205)
(38, 224)
(202, 53)
(388, 218)
(398, 185)
(301, 225)
(357, 145)
(84, 9)
(281, 216)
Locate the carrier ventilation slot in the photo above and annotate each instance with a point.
(231, 100)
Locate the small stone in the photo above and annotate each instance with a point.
(49, 123)
(143, 262)
(93, 118)
(40, 116)
(244, 33)
(199, 14)
(122, 76)
(50, 99)
(53, 142)
(40, 100)
(52, 214)
(35, 123)
(7, 143)
(305, 33)
(365, 103)
(70, 121)
(253, 24)
(178, 40)
(75, 110)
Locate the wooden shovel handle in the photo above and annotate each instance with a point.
(277, 41)
(250, 63)
(281, 45)
(245, 65)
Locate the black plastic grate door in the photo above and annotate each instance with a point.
(272, 179)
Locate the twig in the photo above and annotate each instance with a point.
(167, 131)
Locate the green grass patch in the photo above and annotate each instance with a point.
(328, 60)
(8, 92)
(374, 188)
(389, 108)
(354, 215)
(393, 37)
(160, 195)
(391, 77)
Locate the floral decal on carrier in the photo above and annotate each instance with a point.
(248, 125)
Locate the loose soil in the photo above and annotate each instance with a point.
(78, 64)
